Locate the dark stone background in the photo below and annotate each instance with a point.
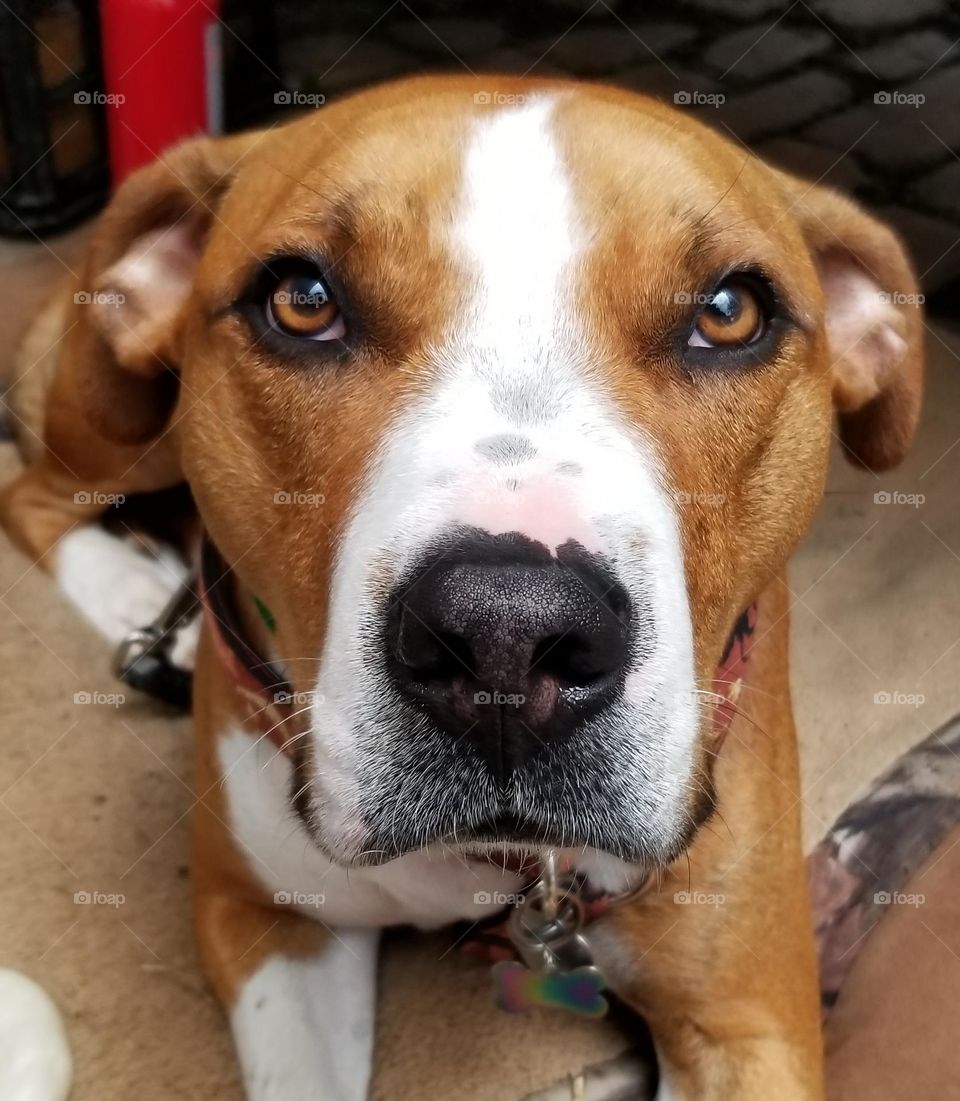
(812, 85)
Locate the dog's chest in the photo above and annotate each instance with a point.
(425, 889)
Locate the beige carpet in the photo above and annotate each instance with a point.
(95, 797)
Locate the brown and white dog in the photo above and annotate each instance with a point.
(506, 411)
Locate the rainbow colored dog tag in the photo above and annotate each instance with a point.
(557, 971)
(518, 989)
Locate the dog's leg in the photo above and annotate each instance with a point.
(300, 999)
(627, 1077)
(725, 974)
(117, 584)
(299, 995)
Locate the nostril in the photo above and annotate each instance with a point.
(567, 658)
(431, 654)
(577, 660)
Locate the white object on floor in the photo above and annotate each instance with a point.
(35, 1061)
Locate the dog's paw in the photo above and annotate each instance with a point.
(35, 1062)
(119, 588)
(627, 1077)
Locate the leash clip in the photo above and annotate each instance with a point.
(142, 659)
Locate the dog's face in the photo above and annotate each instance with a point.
(506, 412)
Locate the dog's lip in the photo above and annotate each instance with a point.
(508, 841)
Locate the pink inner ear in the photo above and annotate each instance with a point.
(866, 332)
(138, 297)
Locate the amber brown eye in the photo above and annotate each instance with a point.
(733, 315)
(301, 305)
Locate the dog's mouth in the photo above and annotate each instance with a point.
(516, 844)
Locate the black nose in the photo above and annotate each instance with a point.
(508, 646)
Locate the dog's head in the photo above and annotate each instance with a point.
(506, 411)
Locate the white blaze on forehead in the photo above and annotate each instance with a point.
(518, 222)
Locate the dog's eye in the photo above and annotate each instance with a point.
(733, 315)
(301, 305)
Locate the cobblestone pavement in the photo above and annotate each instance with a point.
(862, 94)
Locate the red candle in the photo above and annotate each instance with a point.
(161, 62)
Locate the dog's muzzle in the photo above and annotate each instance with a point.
(507, 645)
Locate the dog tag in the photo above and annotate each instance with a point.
(557, 969)
(578, 991)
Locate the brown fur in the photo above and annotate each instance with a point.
(730, 991)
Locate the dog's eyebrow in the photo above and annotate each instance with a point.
(704, 255)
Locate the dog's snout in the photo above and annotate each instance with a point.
(508, 645)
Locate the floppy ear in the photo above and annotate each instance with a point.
(138, 273)
(874, 323)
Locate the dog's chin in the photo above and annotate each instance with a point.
(514, 844)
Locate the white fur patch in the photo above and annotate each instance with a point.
(515, 365)
(118, 588)
(304, 1027)
(35, 1061)
(427, 889)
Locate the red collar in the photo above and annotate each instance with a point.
(267, 696)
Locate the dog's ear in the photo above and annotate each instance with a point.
(138, 273)
(874, 323)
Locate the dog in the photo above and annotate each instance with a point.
(502, 416)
